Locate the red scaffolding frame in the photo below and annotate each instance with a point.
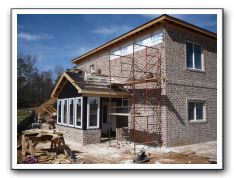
(145, 71)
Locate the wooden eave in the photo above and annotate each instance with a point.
(85, 92)
(158, 21)
(62, 82)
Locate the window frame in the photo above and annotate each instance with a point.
(68, 112)
(92, 68)
(74, 112)
(195, 120)
(59, 101)
(62, 120)
(81, 120)
(88, 113)
(193, 60)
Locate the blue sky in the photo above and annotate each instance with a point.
(57, 39)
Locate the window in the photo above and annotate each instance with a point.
(196, 111)
(65, 111)
(93, 106)
(78, 108)
(194, 56)
(92, 69)
(59, 111)
(71, 112)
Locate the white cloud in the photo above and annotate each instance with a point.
(112, 30)
(31, 37)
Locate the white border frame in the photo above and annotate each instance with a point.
(59, 101)
(88, 113)
(204, 120)
(63, 101)
(74, 112)
(202, 57)
(217, 11)
(81, 100)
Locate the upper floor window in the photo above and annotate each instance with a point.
(194, 55)
(92, 69)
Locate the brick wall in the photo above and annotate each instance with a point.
(90, 136)
(183, 84)
(177, 84)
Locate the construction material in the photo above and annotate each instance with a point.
(31, 138)
(144, 73)
(47, 107)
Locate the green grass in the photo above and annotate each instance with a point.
(22, 114)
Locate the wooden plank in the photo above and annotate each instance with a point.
(155, 79)
(120, 114)
(144, 28)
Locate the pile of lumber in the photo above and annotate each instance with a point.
(47, 107)
(56, 154)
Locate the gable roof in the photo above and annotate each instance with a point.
(98, 86)
(160, 20)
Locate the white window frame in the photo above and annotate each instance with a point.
(194, 112)
(63, 111)
(92, 68)
(68, 112)
(202, 57)
(59, 101)
(81, 100)
(74, 112)
(88, 113)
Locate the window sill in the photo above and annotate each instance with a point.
(92, 127)
(198, 122)
(195, 70)
(77, 127)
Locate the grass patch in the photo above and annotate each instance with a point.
(22, 114)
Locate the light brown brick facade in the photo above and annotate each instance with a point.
(178, 86)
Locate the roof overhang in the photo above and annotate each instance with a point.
(86, 92)
(164, 19)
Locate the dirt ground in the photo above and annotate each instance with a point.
(204, 153)
(113, 153)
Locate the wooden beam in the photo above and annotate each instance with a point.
(158, 21)
(131, 82)
(105, 95)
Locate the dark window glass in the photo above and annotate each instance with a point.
(189, 53)
(105, 114)
(71, 121)
(78, 112)
(93, 108)
(191, 106)
(199, 111)
(65, 112)
(59, 111)
(197, 56)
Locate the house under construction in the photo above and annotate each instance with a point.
(155, 85)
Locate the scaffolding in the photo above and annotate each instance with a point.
(140, 73)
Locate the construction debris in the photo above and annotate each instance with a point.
(46, 109)
(56, 153)
(141, 157)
